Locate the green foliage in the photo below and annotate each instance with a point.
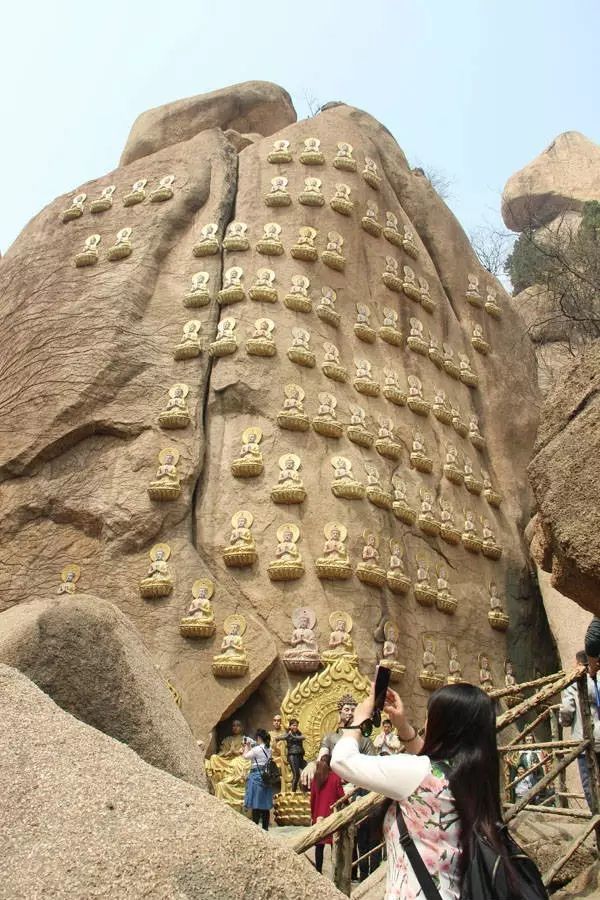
(526, 264)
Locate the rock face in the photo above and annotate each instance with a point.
(89, 363)
(87, 656)
(559, 180)
(83, 816)
(564, 476)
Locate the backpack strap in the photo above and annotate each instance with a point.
(421, 871)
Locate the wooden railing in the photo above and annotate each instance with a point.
(343, 822)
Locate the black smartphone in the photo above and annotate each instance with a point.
(382, 681)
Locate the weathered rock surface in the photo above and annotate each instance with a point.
(89, 362)
(88, 657)
(84, 816)
(585, 885)
(562, 178)
(564, 476)
(253, 106)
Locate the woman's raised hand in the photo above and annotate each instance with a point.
(394, 708)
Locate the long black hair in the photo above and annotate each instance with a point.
(264, 736)
(461, 728)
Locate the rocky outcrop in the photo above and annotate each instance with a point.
(561, 179)
(84, 816)
(89, 363)
(564, 477)
(87, 656)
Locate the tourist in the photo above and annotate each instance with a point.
(326, 789)
(525, 783)
(440, 807)
(592, 647)
(387, 742)
(529, 758)
(259, 796)
(570, 714)
(294, 740)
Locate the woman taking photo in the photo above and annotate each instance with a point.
(447, 785)
(259, 796)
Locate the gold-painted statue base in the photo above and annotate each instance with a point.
(421, 463)
(328, 427)
(260, 347)
(378, 497)
(100, 205)
(418, 405)
(304, 252)
(119, 251)
(388, 448)
(397, 583)
(278, 198)
(411, 291)
(222, 348)
(405, 513)
(329, 315)
(264, 294)
(292, 495)
(174, 419)
(359, 435)
(393, 282)
(410, 248)
(397, 670)
(279, 156)
(372, 180)
(474, 299)
(390, 335)
(206, 248)
(310, 198)
(157, 490)
(429, 525)
(302, 357)
(298, 303)
(471, 543)
(395, 395)
(293, 421)
(425, 595)
(196, 299)
(292, 809)
(246, 467)
(418, 345)
(473, 485)
(469, 378)
(447, 604)
(341, 206)
(312, 158)
(450, 535)
(493, 310)
(498, 620)
(428, 303)
(460, 426)
(348, 490)
(435, 355)
(481, 345)
(73, 212)
(492, 551)
(365, 333)
(493, 497)
(332, 656)
(151, 588)
(301, 664)
(335, 372)
(430, 681)
(285, 571)
(451, 369)
(454, 474)
(367, 386)
(371, 226)
(478, 441)
(193, 628)
(86, 258)
(134, 197)
(333, 260)
(270, 247)
(229, 669)
(186, 351)
(442, 414)
(345, 164)
(393, 236)
(239, 557)
(236, 242)
(373, 575)
(161, 194)
(229, 295)
(333, 569)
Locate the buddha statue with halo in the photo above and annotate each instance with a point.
(369, 571)
(270, 243)
(510, 681)
(137, 194)
(344, 485)
(198, 295)
(455, 675)
(445, 602)
(493, 497)
(166, 485)
(164, 191)
(425, 594)
(341, 202)
(376, 494)
(241, 551)
(391, 276)
(305, 248)
(334, 563)
(408, 243)
(292, 416)
(486, 679)
(312, 155)
(362, 327)
(299, 351)
(105, 201)
(489, 544)
(391, 388)
(453, 470)
(280, 153)
(415, 400)
(312, 195)
(200, 619)
(389, 654)
(409, 284)
(391, 231)
(458, 423)
(157, 582)
(69, 577)
(387, 444)
(370, 173)
(176, 414)
(429, 677)
(472, 483)
(343, 158)
(231, 662)
(289, 488)
(75, 210)
(478, 340)
(236, 237)
(448, 530)
(225, 342)
(440, 406)
(191, 344)
(396, 577)
(416, 339)
(340, 644)
(427, 521)
(263, 289)
(427, 301)
(497, 617)
(333, 256)
(369, 222)
(389, 331)
(492, 307)
(357, 430)
(326, 310)
(475, 435)
(278, 195)
(298, 298)
(261, 342)
(208, 242)
(451, 367)
(303, 655)
(419, 459)
(233, 288)
(472, 293)
(122, 248)
(325, 422)
(287, 565)
(467, 375)
(89, 255)
(401, 507)
(331, 366)
(434, 353)
(249, 463)
(470, 538)
(363, 381)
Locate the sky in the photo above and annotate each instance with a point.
(473, 89)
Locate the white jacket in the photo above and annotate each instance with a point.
(570, 713)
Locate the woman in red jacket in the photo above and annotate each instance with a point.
(325, 790)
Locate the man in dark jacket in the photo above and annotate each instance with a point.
(592, 646)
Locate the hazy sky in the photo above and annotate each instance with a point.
(475, 88)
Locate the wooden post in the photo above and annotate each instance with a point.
(590, 752)
(342, 863)
(546, 780)
(515, 712)
(556, 730)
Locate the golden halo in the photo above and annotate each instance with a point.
(169, 451)
(308, 232)
(301, 280)
(301, 612)
(266, 273)
(428, 637)
(272, 228)
(334, 237)
(289, 526)
(179, 386)
(292, 388)
(195, 323)
(391, 628)
(336, 460)
(367, 533)
(247, 515)
(124, 234)
(74, 568)
(396, 546)
(283, 459)
(234, 620)
(270, 324)
(252, 429)
(341, 528)
(326, 397)
(339, 615)
(154, 551)
(203, 583)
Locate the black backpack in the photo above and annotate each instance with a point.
(270, 775)
(486, 877)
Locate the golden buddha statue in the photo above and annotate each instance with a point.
(416, 339)
(270, 243)
(369, 570)
(458, 423)
(445, 602)
(363, 381)
(287, 565)
(312, 195)
(344, 485)
(369, 221)
(357, 430)
(208, 242)
(297, 297)
(475, 435)
(122, 246)
(326, 310)
(176, 413)
(391, 276)
(334, 564)
(450, 366)
(389, 331)
(427, 521)
(467, 375)
(299, 352)
(241, 551)
(478, 340)
(331, 366)
(415, 400)
(387, 443)
(455, 675)
(390, 230)
(376, 494)
(453, 470)
(389, 653)
(166, 485)
(137, 194)
(486, 680)
(233, 288)
(434, 353)
(493, 497)
(289, 487)
(225, 342)
(340, 644)
(408, 243)
(200, 619)
(261, 343)
(157, 582)
(425, 594)
(280, 153)
(492, 307)
(104, 201)
(198, 295)
(362, 327)
(473, 484)
(278, 195)
(440, 407)
(236, 237)
(510, 681)
(343, 158)
(427, 301)
(164, 191)
(370, 173)
(325, 422)
(489, 546)
(391, 388)
(304, 248)
(311, 155)
(397, 579)
(89, 255)
(401, 507)
(332, 256)
(227, 770)
(231, 662)
(448, 530)
(69, 577)
(292, 416)
(496, 615)
(303, 655)
(470, 538)
(409, 284)
(429, 677)
(249, 463)
(75, 210)
(263, 288)
(341, 201)
(419, 459)
(472, 294)
(191, 344)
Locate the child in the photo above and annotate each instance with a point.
(325, 790)
(524, 785)
(295, 751)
